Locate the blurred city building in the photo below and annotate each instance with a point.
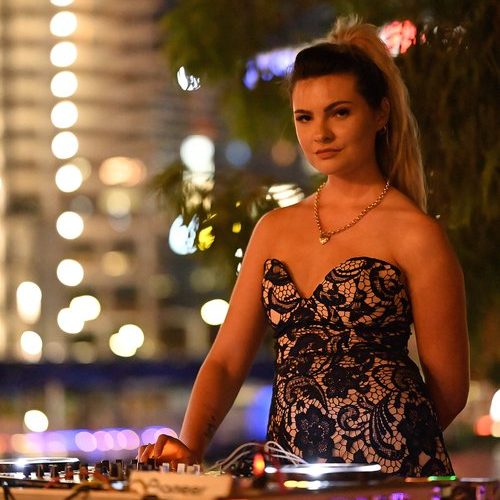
(100, 324)
(89, 114)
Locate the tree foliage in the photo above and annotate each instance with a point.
(452, 75)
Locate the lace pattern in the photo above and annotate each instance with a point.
(345, 389)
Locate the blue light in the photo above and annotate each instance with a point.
(257, 414)
(251, 76)
(238, 153)
(268, 65)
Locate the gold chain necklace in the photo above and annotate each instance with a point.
(324, 236)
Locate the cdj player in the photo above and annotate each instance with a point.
(62, 478)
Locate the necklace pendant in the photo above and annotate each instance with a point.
(324, 238)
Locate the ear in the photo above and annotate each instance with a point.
(383, 113)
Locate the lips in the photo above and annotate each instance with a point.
(327, 153)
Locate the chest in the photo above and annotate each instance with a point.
(360, 290)
(308, 260)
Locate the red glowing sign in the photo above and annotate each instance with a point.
(399, 36)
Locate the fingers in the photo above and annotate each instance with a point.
(167, 449)
(146, 452)
(172, 450)
(163, 445)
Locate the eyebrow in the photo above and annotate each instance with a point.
(328, 108)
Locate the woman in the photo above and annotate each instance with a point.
(341, 276)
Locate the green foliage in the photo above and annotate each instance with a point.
(215, 38)
(260, 116)
(227, 212)
(453, 85)
(453, 82)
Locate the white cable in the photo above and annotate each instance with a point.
(271, 448)
(234, 455)
(280, 452)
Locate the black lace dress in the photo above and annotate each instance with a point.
(345, 389)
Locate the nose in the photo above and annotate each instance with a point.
(323, 134)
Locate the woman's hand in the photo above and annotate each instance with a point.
(167, 449)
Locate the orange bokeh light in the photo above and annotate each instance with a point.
(483, 425)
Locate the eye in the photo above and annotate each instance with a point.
(342, 112)
(302, 118)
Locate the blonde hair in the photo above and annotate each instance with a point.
(399, 151)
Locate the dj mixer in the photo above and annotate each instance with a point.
(60, 478)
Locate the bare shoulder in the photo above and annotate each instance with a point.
(419, 238)
(280, 220)
(269, 233)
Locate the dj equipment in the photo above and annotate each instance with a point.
(59, 478)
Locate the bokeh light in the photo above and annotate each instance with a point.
(128, 439)
(65, 145)
(151, 434)
(283, 153)
(104, 440)
(119, 346)
(70, 272)
(68, 178)
(64, 84)
(285, 194)
(86, 306)
(268, 65)
(116, 202)
(75, 441)
(133, 334)
(398, 36)
(127, 340)
(19, 444)
(205, 238)
(495, 406)
(121, 170)
(256, 413)
(61, 3)
(115, 263)
(63, 54)
(63, 24)
(181, 238)
(483, 425)
(36, 421)
(54, 444)
(31, 343)
(238, 153)
(214, 311)
(86, 441)
(70, 225)
(64, 114)
(186, 81)
(69, 321)
(197, 153)
(29, 301)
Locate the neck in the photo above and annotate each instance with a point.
(324, 235)
(341, 190)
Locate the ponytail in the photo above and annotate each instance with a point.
(398, 148)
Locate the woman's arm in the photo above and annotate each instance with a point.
(226, 365)
(438, 302)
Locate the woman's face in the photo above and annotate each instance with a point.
(335, 126)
